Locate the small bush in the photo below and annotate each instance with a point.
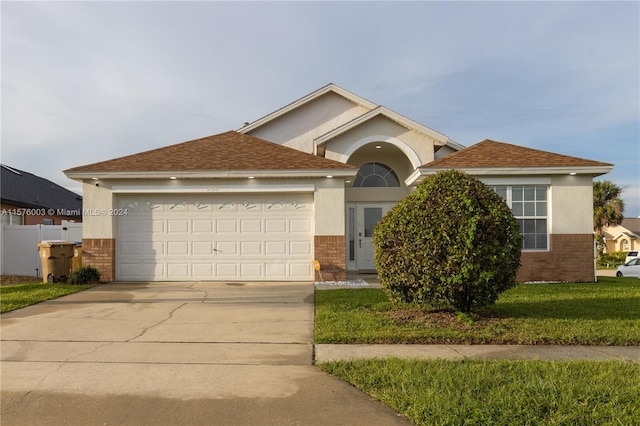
(452, 242)
(84, 275)
(615, 258)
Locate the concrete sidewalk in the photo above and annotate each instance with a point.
(325, 353)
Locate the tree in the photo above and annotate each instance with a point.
(608, 209)
(452, 242)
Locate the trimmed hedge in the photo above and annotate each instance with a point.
(452, 242)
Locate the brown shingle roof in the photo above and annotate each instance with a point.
(492, 154)
(225, 151)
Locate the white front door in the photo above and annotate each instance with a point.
(368, 216)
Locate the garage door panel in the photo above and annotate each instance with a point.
(275, 248)
(202, 270)
(178, 270)
(177, 226)
(275, 225)
(301, 248)
(303, 226)
(200, 226)
(215, 237)
(177, 248)
(300, 270)
(250, 248)
(226, 248)
(202, 248)
(276, 270)
(251, 225)
(226, 226)
(227, 270)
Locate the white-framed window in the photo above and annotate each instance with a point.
(11, 219)
(375, 175)
(529, 206)
(47, 221)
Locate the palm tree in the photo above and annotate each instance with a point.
(608, 209)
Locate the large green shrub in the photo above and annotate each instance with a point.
(453, 242)
(84, 275)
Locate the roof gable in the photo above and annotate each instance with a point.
(492, 154)
(24, 189)
(387, 113)
(355, 99)
(229, 151)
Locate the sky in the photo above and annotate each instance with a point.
(83, 82)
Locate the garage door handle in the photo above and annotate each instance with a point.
(216, 250)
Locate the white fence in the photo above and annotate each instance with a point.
(19, 245)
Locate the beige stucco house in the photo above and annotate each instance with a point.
(309, 182)
(623, 237)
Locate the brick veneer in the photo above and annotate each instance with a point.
(100, 253)
(570, 258)
(330, 251)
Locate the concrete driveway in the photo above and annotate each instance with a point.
(174, 354)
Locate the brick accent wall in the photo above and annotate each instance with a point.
(570, 258)
(330, 251)
(100, 253)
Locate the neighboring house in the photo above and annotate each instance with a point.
(309, 182)
(27, 199)
(623, 237)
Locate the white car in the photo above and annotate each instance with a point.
(629, 269)
(632, 255)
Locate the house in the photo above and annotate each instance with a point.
(623, 237)
(309, 182)
(27, 199)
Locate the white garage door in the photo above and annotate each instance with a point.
(215, 237)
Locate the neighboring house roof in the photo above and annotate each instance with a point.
(498, 158)
(208, 156)
(629, 228)
(24, 189)
(632, 224)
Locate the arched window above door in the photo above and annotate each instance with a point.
(375, 175)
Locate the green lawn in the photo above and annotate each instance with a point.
(21, 295)
(500, 392)
(602, 313)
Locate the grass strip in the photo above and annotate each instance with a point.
(471, 392)
(21, 295)
(602, 313)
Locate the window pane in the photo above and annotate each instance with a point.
(374, 181)
(392, 179)
(517, 209)
(371, 216)
(375, 175)
(501, 191)
(541, 241)
(516, 193)
(529, 241)
(541, 208)
(541, 193)
(352, 233)
(367, 169)
(541, 226)
(529, 226)
(529, 193)
(530, 209)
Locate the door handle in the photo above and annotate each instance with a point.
(360, 243)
